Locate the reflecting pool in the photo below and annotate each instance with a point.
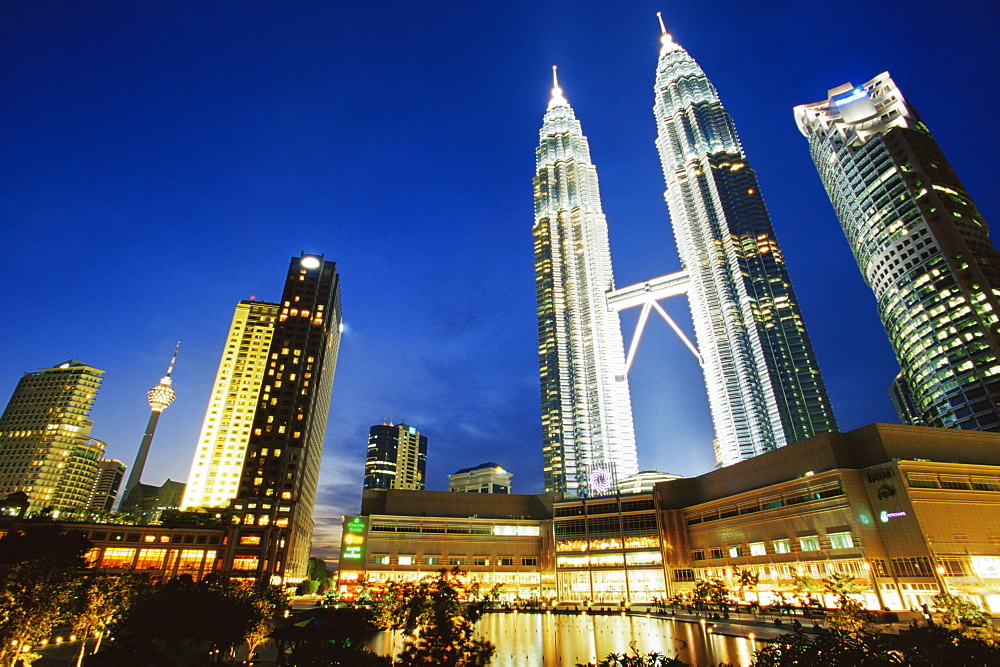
(555, 640)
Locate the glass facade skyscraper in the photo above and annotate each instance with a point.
(764, 385)
(396, 458)
(587, 426)
(921, 245)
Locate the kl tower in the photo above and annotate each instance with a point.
(160, 396)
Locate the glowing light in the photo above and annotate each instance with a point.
(310, 262)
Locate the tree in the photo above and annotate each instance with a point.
(437, 614)
(269, 604)
(184, 617)
(101, 601)
(840, 585)
(713, 591)
(964, 616)
(745, 579)
(652, 659)
(38, 565)
(828, 648)
(317, 570)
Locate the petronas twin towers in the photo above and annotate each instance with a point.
(763, 382)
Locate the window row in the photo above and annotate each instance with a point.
(480, 561)
(775, 502)
(838, 540)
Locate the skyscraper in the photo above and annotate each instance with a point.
(45, 446)
(222, 444)
(764, 385)
(586, 410)
(396, 458)
(272, 511)
(105, 489)
(921, 245)
(160, 398)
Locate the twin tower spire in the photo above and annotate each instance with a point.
(763, 383)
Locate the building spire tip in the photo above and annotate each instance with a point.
(557, 93)
(663, 28)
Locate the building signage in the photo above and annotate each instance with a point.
(352, 543)
(357, 524)
(885, 515)
(879, 475)
(854, 96)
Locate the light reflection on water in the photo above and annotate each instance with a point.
(547, 640)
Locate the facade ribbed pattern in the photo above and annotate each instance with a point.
(45, 448)
(586, 408)
(218, 460)
(764, 385)
(921, 245)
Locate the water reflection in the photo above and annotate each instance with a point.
(558, 640)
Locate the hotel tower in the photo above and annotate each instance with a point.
(222, 444)
(271, 513)
(587, 432)
(764, 385)
(921, 245)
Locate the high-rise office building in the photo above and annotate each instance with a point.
(484, 478)
(222, 444)
(921, 245)
(272, 511)
(764, 385)
(105, 489)
(586, 409)
(903, 403)
(160, 397)
(396, 458)
(46, 450)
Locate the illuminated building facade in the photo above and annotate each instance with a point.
(494, 539)
(484, 478)
(921, 245)
(159, 553)
(906, 511)
(396, 458)
(218, 459)
(586, 408)
(46, 450)
(105, 490)
(271, 514)
(160, 398)
(764, 385)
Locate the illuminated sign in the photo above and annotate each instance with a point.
(885, 516)
(353, 538)
(854, 96)
(353, 553)
(356, 525)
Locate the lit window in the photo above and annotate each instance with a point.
(810, 543)
(757, 549)
(406, 560)
(841, 541)
(782, 547)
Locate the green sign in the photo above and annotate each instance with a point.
(356, 524)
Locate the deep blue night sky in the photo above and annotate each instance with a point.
(160, 161)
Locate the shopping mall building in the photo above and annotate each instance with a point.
(907, 511)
